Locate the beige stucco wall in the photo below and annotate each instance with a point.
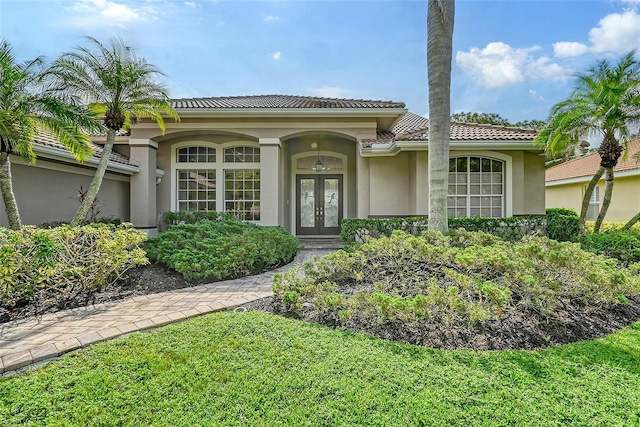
(390, 184)
(48, 192)
(533, 184)
(625, 201)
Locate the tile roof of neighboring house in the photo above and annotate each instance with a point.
(412, 127)
(50, 141)
(589, 164)
(280, 101)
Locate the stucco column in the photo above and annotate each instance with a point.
(270, 181)
(143, 185)
(363, 185)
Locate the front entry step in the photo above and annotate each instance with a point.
(320, 243)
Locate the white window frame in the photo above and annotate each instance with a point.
(507, 177)
(594, 201)
(219, 166)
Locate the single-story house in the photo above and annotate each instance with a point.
(566, 183)
(300, 162)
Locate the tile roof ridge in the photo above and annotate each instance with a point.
(492, 126)
(301, 97)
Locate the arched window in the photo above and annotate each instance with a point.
(237, 169)
(476, 187)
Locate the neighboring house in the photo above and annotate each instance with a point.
(566, 184)
(306, 163)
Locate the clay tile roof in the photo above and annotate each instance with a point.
(589, 164)
(280, 101)
(412, 127)
(50, 141)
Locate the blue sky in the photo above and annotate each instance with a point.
(514, 58)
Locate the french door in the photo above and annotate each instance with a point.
(318, 204)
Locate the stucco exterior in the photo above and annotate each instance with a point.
(302, 163)
(48, 191)
(566, 183)
(625, 201)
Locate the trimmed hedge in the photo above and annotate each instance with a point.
(222, 248)
(557, 224)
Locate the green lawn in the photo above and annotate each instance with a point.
(249, 369)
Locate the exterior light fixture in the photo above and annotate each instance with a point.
(319, 167)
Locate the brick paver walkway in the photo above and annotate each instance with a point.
(32, 340)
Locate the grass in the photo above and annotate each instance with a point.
(254, 369)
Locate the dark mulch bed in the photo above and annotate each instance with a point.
(144, 280)
(516, 330)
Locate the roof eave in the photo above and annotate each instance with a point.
(65, 156)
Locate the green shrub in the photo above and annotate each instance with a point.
(563, 225)
(65, 261)
(221, 249)
(621, 245)
(190, 217)
(462, 277)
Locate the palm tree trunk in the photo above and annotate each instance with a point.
(587, 199)
(440, 18)
(631, 222)
(606, 200)
(9, 198)
(94, 187)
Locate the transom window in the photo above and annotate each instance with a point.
(242, 155)
(196, 155)
(476, 187)
(198, 170)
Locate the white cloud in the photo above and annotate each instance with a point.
(499, 65)
(105, 12)
(270, 18)
(276, 56)
(331, 92)
(535, 95)
(565, 49)
(617, 33)
(191, 4)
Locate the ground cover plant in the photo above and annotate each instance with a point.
(239, 369)
(221, 249)
(463, 290)
(48, 269)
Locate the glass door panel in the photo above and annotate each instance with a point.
(319, 204)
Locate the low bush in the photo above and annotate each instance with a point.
(64, 262)
(169, 218)
(563, 225)
(464, 278)
(221, 249)
(621, 245)
(613, 226)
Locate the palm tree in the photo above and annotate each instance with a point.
(117, 85)
(440, 17)
(25, 111)
(606, 102)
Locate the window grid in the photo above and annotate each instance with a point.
(594, 204)
(196, 154)
(196, 189)
(242, 155)
(242, 193)
(476, 187)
